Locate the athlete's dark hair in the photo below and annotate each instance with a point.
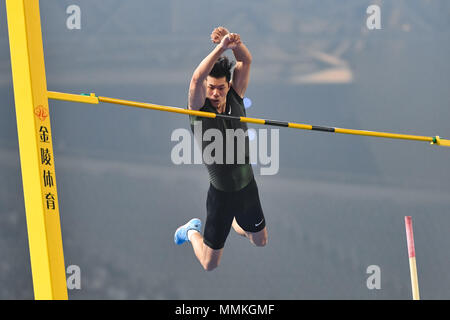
(222, 68)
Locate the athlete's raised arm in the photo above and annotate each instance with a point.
(197, 87)
(241, 73)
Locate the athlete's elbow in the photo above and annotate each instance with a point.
(247, 59)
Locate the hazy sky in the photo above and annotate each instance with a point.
(337, 203)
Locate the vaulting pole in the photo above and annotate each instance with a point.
(95, 100)
(412, 258)
(36, 150)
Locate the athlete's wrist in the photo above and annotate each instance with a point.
(221, 47)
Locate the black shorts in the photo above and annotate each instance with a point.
(222, 207)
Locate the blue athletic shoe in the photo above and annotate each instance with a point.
(181, 234)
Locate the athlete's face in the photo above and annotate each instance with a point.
(217, 90)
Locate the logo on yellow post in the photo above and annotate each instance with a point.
(41, 112)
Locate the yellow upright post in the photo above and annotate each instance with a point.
(36, 150)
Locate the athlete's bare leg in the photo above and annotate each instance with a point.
(257, 238)
(209, 258)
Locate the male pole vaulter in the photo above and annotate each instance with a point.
(232, 198)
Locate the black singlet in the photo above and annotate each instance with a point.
(238, 174)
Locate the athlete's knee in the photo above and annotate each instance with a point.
(210, 258)
(260, 241)
(210, 265)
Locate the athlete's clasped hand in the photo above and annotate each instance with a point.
(228, 40)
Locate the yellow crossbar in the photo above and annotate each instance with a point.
(72, 97)
(94, 99)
